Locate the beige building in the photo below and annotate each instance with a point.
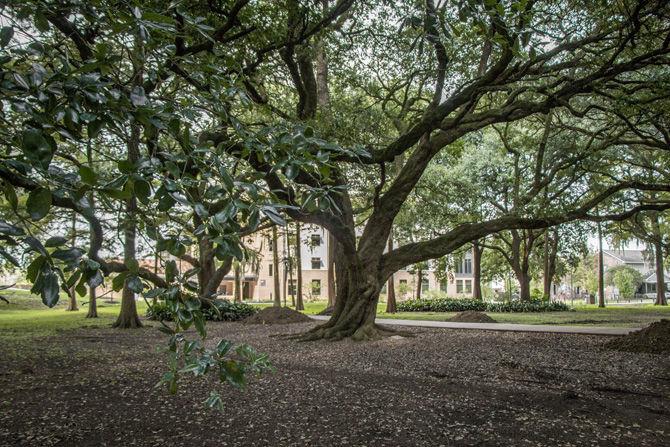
(259, 272)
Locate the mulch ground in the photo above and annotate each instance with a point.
(95, 387)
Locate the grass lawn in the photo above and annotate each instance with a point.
(19, 317)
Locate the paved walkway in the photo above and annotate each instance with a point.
(589, 330)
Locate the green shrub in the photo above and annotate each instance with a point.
(461, 305)
(220, 310)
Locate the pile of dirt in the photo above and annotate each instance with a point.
(654, 339)
(277, 315)
(471, 316)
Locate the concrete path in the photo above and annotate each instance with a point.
(589, 330)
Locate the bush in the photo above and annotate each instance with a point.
(462, 305)
(220, 310)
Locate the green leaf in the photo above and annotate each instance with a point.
(118, 281)
(9, 229)
(142, 190)
(55, 241)
(273, 215)
(135, 284)
(38, 203)
(138, 97)
(87, 175)
(9, 257)
(171, 271)
(50, 288)
(6, 34)
(96, 279)
(36, 147)
(10, 195)
(69, 255)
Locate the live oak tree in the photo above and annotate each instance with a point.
(408, 83)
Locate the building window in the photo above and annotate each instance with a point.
(424, 285)
(292, 287)
(443, 285)
(403, 281)
(316, 263)
(468, 286)
(262, 283)
(269, 244)
(316, 240)
(269, 269)
(651, 287)
(464, 266)
(316, 287)
(467, 266)
(459, 286)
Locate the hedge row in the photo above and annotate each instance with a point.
(461, 305)
(221, 310)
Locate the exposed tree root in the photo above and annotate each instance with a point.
(367, 332)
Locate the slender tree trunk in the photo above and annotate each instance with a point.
(419, 281)
(477, 271)
(275, 276)
(92, 293)
(660, 268)
(237, 297)
(601, 269)
(391, 307)
(332, 245)
(298, 260)
(546, 277)
(286, 264)
(128, 317)
(72, 294)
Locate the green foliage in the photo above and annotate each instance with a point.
(624, 278)
(218, 310)
(461, 305)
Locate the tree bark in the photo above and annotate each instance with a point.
(237, 294)
(601, 269)
(72, 294)
(92, 303)
(524, 285)
(298, 260)
(391, 307)
(128, 317)
(477, 270)
(419, 275)
(332, 245)
(660, 268)
(275, 273)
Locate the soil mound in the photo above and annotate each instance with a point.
(654, 339)
(277, 315)
(471, 316)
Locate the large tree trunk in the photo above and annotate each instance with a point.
(477, 270)
(391, 307)
(660, 268)
(298, 260)
(355, 306)
(275, 274)
(128, 317)
(524, 285)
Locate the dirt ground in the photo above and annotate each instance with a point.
(95, 387)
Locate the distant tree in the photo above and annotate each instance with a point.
(626, 279)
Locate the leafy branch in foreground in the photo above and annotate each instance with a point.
(231, 363)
